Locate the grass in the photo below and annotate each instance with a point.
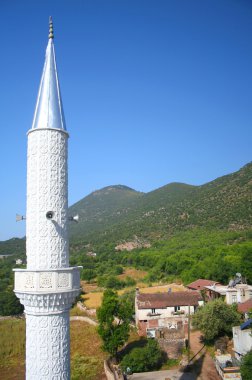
(162, 288)
(93, 299)
(86, 354)
(12, 341)
(170, 364)
(136, 274)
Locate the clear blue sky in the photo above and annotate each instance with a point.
(153, 92)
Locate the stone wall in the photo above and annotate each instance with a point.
(172, 341)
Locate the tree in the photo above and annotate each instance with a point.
(143, 359)
(114, 317)
(9, 303)
(216, 319)
(246, 366)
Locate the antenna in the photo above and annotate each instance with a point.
(20, 217)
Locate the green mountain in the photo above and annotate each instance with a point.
(12, 246)
(118, 213)
(102, 209)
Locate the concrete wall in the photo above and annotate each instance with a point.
(242, 341)
(146, 314)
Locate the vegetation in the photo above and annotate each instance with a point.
(118, 213)
(86, 354)
(12, 246)
(9, 303)
(186, 256)
(84, 367)
(216, 319)
(246, 366)
(199, 253)
(114, 317)
(12, 347)
(147, 358)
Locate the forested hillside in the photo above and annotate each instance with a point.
(117, 213)
(186, 256)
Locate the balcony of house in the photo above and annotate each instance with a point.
(154, 313)
(178, 312)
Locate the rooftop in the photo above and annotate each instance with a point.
(200, 284)
(244, 307)
(163, 300)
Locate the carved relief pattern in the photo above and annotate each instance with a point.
(63, 280)
(47, 303)
(47, 240)
(29, 280)
(51, 280)
(48, 347)
(45, 280)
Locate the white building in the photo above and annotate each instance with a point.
(242, 339)
(232, 294)
(48, 287)
(159, 310)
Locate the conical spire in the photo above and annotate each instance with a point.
(49, 110)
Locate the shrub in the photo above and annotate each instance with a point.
(143, 359)
(216, 319)
(246, 366)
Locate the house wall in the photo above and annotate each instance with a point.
(239, 294)
(242, 341)
(163, 318)
(146, 314)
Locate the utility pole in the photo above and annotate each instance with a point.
(189, 330)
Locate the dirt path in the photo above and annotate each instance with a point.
(203, 362)
(84, 319)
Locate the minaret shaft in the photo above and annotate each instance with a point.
(47, 244)
(48, 287)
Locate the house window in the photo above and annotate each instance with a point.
(176, 308)
(234, 298)
(153, 311)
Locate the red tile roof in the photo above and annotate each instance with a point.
(200, 284)
(245, 306)
(163, 300)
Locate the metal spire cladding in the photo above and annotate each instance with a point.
(49, 109)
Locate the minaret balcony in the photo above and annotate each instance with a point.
(47, 281)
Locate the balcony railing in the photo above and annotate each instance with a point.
(179, 312)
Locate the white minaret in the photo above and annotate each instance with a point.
(48, 287)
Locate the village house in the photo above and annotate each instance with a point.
(164, 316)
(158, 310)
(237, 293)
